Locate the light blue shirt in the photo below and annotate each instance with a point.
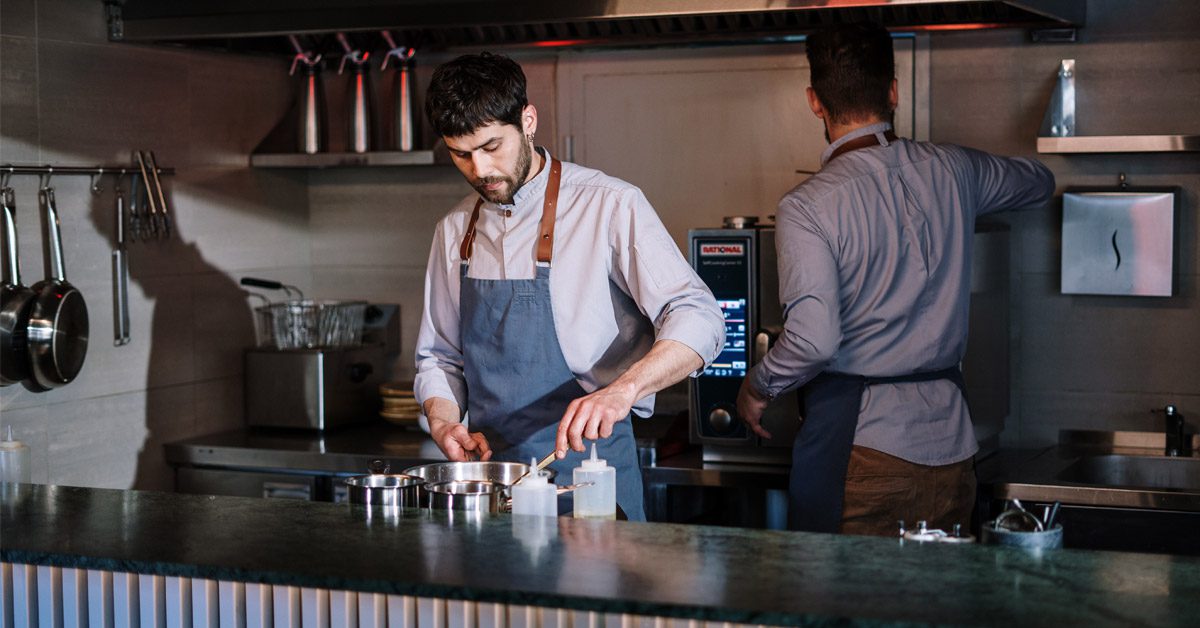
(618, 282)
(875, 279)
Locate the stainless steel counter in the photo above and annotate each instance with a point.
(1099, 469)
(350, 450)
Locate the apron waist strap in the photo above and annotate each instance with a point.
(953, 373)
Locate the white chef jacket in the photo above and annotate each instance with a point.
(618, 282)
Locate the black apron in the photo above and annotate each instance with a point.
(821, 452)
(830, 404)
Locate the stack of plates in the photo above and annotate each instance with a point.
(399, 403)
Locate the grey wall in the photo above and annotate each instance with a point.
(68, 97)
(1088, 361)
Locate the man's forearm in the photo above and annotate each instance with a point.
(439, 409)
(668, 362)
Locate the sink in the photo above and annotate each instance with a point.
(1157, 472)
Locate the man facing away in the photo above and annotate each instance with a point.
(556, 303)
(875, 273)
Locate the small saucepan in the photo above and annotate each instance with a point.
(16, 301)
(394, 490)
(58, 322)
(478, 496)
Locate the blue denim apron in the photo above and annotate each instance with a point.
(518, 382)
(831, 401)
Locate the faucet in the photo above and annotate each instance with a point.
(1177, 441)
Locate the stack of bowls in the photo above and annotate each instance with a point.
(399, 403)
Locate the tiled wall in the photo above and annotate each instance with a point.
(68, 97)
(1088, 361)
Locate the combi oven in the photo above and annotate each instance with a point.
(738, 262)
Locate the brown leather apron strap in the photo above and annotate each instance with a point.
(862, 142)
(545, 245)
(468, 242)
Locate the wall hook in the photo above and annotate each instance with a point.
(1121, 182)
(5, 177)
(44, 178)
(96, 189)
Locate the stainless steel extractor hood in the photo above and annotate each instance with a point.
(433, 24)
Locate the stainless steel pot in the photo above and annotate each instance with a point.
(395, 490)
(500, 472)
(58, 322)
(477, 496)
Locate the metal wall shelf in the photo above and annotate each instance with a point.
(1058, 128)
(1119, 144)
(342, 160)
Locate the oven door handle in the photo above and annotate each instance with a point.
(764, 339)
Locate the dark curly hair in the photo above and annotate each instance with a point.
(852, 70)
(473, 91)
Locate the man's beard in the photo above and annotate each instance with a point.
(504, 196)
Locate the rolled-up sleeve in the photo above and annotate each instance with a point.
(808, 290)
(662, 283)
(439, 356)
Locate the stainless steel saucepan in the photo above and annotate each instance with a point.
(16, 301)
(58, 323)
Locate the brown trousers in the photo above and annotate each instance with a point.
(882, 490)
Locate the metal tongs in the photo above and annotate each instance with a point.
(158, 221)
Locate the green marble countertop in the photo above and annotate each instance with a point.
(726, 574)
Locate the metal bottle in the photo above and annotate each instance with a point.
(361, 115)
(311, 133)
(402, 113)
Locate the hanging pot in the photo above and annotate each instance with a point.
(16, 301)
(58, 323)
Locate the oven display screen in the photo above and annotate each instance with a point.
(731, 362)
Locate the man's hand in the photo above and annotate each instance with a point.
(593, 416)
(457, 443)
(750, 407)
(450, 435)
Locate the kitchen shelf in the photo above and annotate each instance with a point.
(1058, 128)
(342, 160)
(1119, 144)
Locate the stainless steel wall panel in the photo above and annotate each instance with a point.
(152, 601)
(285, 607)
(402, 611)
(431, 613)
(126, 605)
(206, 606)
(232, 602)
(178, 601)
(260, 606)
(75, 598)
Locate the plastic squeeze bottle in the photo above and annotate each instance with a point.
(535, 495)
(14, 460)
(598, 501)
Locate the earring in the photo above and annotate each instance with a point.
(529, 136)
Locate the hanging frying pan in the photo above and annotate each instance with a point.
(58, 325)
(16, 301)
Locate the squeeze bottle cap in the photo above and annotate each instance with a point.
(537, 478)
(593, 462)
(8, 442)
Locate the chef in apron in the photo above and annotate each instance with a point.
(556, 303)
(875, 277)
